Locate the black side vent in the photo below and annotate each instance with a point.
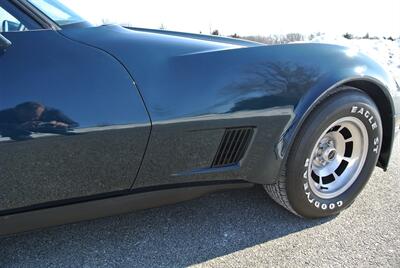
(233, 146)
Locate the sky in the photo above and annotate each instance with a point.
(250, 17)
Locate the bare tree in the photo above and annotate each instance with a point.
(276, 39)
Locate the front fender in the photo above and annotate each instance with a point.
(363, 71)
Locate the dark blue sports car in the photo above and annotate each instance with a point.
(96, 121)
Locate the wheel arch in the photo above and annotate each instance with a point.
(376, 90)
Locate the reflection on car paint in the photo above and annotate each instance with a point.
(20, 122)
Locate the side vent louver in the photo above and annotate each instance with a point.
(233, 146)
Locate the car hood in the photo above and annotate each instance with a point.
(151, 44)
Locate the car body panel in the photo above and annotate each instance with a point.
(102, 150)
(202, 86)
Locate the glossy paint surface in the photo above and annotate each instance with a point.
(72, 122)
(92, 111)
(196, 88)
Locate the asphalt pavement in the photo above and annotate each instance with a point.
(240, 228)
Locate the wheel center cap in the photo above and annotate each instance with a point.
(329, 154)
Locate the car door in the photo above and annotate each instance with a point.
(72, 123)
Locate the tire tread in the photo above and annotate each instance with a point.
(277, 191)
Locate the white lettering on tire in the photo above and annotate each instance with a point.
(367, 114)
(376, 145)
(320, 205)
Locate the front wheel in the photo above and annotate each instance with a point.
(332, 157)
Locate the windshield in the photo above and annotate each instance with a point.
(57, 11)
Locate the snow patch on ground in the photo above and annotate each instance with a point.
(386, 52)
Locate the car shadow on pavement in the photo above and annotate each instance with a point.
(177, 235)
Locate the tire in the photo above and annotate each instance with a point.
(316, 182)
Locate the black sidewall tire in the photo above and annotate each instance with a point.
(338, 106)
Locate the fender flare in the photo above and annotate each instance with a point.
(318, 94)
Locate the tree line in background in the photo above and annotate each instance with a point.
(271, 39)
(276, 39)
(367, 36)
(296, 37)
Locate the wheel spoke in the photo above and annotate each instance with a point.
(321, 183)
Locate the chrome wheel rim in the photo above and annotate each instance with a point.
(338, 157)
